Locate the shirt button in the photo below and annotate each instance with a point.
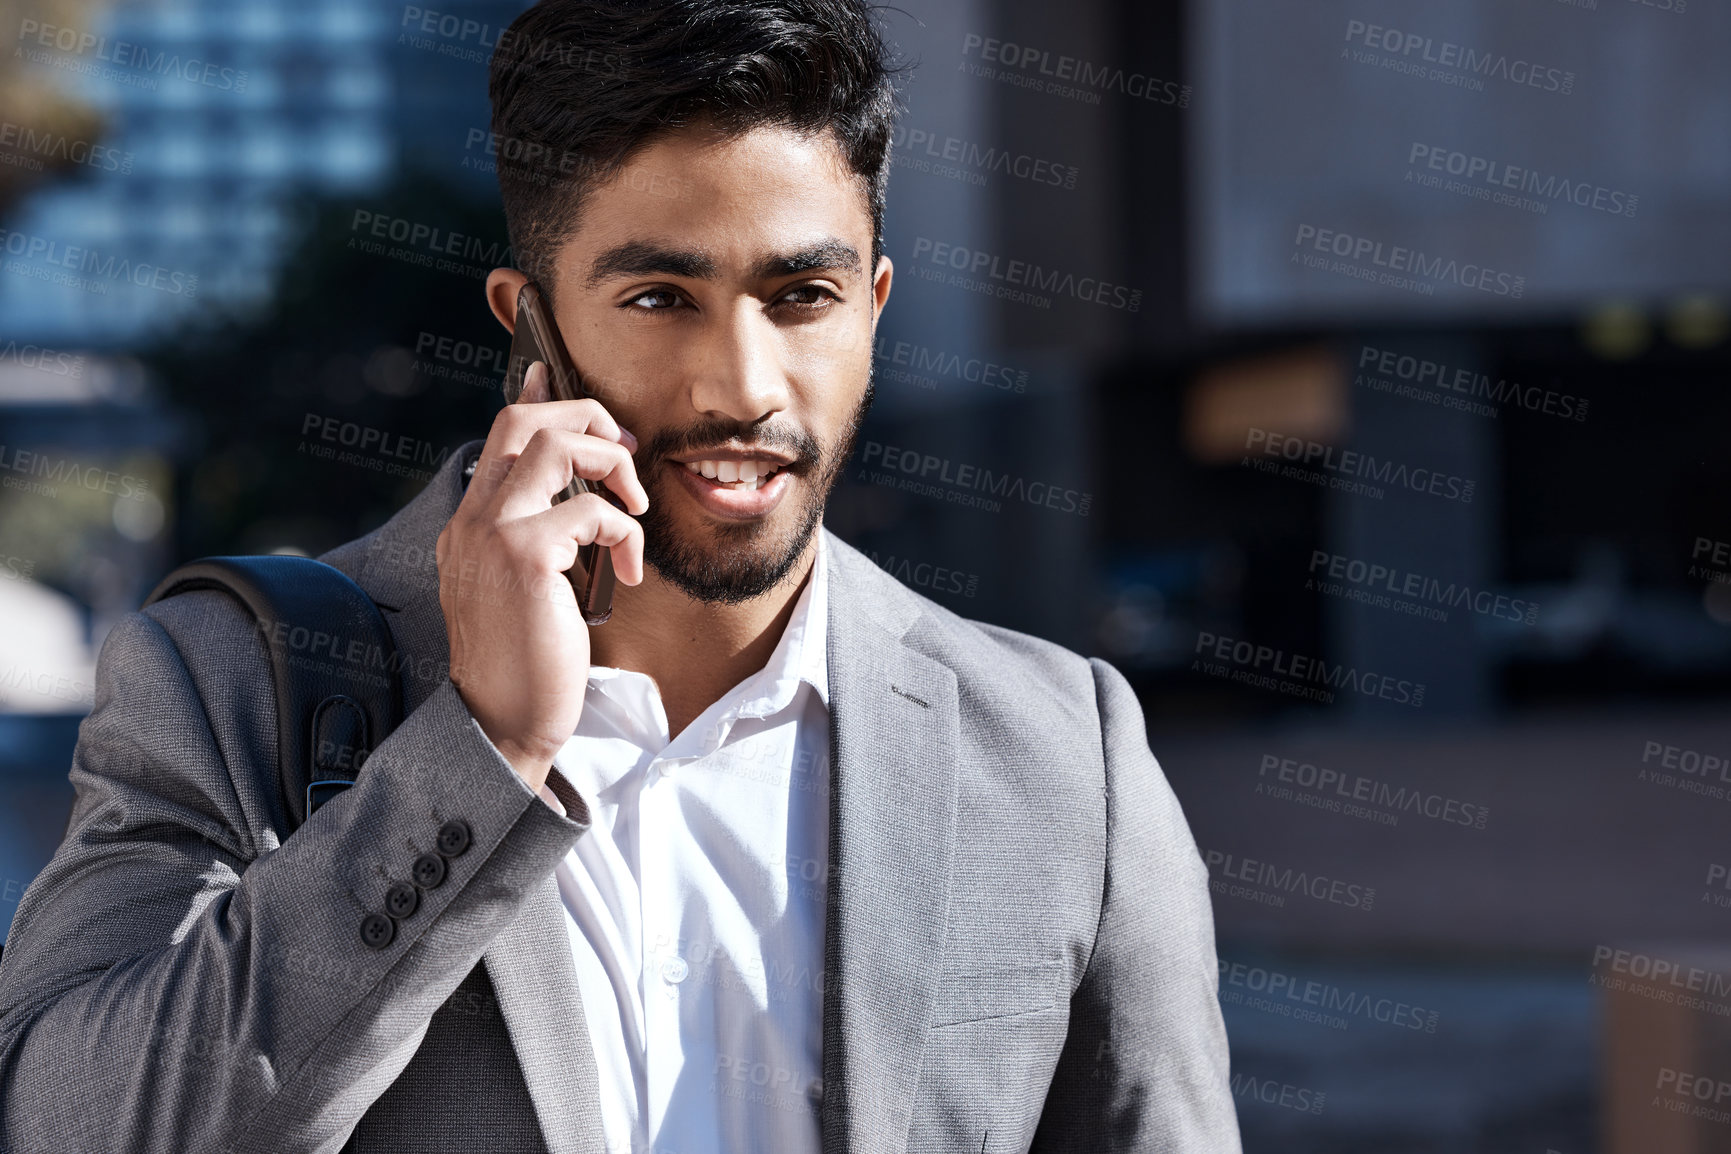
(665, 768)
(674, 970)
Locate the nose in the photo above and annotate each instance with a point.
(739, 371)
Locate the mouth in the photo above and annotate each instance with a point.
(734, 486)
(742, 475)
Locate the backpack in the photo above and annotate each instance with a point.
(332, 710)
(332, 659)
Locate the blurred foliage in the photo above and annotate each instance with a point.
(36, 103)
(338, 341)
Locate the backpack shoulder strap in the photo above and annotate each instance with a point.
(332, 659)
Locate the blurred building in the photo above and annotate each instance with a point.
(216, 114)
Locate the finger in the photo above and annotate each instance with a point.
(589, 519)
(515, 425)
(535, 385)
(538, 387)
(553, 457)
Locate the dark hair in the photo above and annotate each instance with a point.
(578, 86)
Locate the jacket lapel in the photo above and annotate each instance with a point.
(529, 963)
(894, 728)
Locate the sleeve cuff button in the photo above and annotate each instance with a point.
(429, 871)
(454, 838)
(401, 900)
(377, 931)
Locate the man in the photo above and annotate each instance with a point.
(783, 857)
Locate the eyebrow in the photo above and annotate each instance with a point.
(643, 258)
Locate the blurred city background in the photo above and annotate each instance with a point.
(1356, 371)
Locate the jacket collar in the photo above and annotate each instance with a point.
(894, 737)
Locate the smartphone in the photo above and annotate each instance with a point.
(537, 339)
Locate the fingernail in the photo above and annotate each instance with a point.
(625, 437)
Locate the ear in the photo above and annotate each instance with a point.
(881, 287)
(503, 285)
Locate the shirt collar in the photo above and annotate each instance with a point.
(800, 656)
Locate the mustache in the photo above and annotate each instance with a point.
(724, 433)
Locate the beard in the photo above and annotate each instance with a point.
(744, 560)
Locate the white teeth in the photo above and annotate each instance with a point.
(743, 476)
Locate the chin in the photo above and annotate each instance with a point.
(728, 563)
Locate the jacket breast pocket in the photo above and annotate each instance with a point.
(974, 993)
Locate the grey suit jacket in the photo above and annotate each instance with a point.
(1019, 953)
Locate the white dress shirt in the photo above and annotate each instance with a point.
(696, 901)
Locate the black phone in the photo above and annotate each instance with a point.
(537, 338)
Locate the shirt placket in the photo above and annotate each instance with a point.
(674, 967)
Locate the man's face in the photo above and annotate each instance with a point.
(716, 300)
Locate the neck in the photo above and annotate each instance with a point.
(695, 651)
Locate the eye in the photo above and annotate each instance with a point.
(663, 299)
(810, 298)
